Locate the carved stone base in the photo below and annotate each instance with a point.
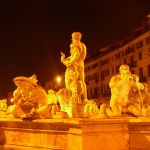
(75, 134)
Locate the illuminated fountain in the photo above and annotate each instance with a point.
(36, 122)
(128, 95)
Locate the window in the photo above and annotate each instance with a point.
(91, 92)
(112, 70)
(108, 72)
(117, 56)
(132, 58)
(102, 75)
(101, 89)
(85, 78)
(140, 55)
(85, 69)
(148, 39)
(89, 78)
(94, 66)
(125, 61)
(148, 70)
(95, 92)
(88, 93)
(104, 88)
(122, 53)
(141, 72)
(132, 71)
(132, 48)
(139, 44)
(105, 61)
(117, 68)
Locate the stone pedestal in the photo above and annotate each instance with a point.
(75, 134)
(111, 134)
(33, 135)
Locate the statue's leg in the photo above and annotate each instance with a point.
(102, 111)
(84, 91)
(82, 78)
(67, 82)
(114, 106)
(134, 110)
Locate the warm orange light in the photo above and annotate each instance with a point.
(11, 100)
(58, 79)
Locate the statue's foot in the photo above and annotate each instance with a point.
(60, 115)
(112, 113)
(85, 101)
(102, 115)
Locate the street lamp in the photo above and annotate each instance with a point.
(58, 79)
(11, 100)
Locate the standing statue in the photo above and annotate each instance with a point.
(75, 62)
(70, 97)
(77, 104)
(120, 87)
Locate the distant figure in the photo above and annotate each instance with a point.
(76, 61)
(3, 105)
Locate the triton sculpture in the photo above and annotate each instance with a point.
(128, 95)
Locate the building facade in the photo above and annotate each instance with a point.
(133, 50)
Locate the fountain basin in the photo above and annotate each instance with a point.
(127, 133)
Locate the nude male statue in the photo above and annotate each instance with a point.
(120, 87)
(76, 60)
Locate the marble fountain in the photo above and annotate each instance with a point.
(67, 120)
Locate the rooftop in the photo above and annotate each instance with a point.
(145, 26)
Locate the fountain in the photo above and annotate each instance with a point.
(36, 121)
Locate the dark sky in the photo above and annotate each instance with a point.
(32, 33)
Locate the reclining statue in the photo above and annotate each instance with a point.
(30, 100)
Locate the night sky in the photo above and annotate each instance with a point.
(32, 33)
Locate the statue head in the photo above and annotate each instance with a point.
(124, 69)
(76, 36)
